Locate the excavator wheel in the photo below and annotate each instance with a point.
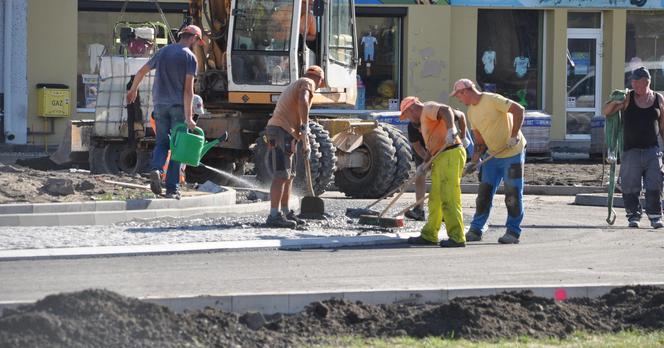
(375, 179)
(404, 155)
(328, 158)
(119, 157)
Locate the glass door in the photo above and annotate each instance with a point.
(584, 75)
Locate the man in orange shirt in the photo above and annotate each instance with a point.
(282, 22)
(288, 125)
(442, 141)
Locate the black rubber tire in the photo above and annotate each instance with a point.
(96, 159)
(119, 157)
(328, 160)
(264, 172)
(404, 155)
(374, 181)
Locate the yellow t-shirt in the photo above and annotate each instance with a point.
(491, 119)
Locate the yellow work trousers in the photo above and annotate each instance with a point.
(445, 196)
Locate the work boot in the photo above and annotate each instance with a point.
(175, 194)
(473, 235)
(155, 182)
(292, 217)
(656, 223)
(450, 243)
(279, 221)
(634, 222)
(415, 214)
(419, 241)
(509, 238)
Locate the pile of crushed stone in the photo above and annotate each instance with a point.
(103, 318)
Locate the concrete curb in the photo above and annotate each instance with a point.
(133, 250)
(544, 190)
(222, 198)
(601, 200)
(290, 303)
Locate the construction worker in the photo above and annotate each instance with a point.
(496, 123)
(641, 158)
(441, 140)
(173, 93)
(288, 125)
(421, 155)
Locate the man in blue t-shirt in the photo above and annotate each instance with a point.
(173, 92)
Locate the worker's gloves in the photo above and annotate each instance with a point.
(471, 167)
(512, 142)
(451, 135)
(304, 129)
(421, 170)
(465, 142)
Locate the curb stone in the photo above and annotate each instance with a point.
(291, 303)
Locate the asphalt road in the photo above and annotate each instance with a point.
(562, 244)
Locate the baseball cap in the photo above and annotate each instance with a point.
(640, 73)
(194, 30)
(461, 85)
(405, 104)
(315, 70)
(197, 102)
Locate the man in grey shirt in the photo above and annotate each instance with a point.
(173, 92)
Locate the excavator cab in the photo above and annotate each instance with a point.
(269, 44)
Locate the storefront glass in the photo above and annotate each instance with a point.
(509, 55)
(380, 56)
(95, 38)
(644, 46)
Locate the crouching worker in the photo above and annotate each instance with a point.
(289, 125)
(436, 122)
(421, 155)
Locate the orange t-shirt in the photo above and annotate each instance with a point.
(287, 112)
(433, 130)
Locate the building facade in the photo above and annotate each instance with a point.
(559, 57)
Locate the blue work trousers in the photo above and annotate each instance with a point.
(510, 172)
(166, 117)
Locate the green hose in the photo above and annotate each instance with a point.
(613, 137)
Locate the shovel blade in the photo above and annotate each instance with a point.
(312, 208)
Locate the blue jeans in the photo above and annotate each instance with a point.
(510, 171)
(166, 117)
(640, 169)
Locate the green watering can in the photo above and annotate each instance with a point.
(188, 148)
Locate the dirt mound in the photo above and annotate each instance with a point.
(95, 318)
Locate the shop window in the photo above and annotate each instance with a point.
(379, 71)
(509, 52)
(95, 38)
(644, 46)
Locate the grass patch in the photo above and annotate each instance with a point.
(581, 340)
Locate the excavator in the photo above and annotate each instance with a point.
(253, 50)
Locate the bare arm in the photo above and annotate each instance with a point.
(461, 117)
(479, 148)
(447, 115)
(420, 150)
(188, 101)
(613, 106)
(133, 90)
(661, 114)
(517, 118)
(304, 109)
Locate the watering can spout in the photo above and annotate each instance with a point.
(211, 144)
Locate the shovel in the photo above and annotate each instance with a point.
(311, 206)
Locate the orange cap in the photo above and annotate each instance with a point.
(406, 103)
(315, 70)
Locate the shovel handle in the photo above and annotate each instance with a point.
(307, 169)
(418, 202)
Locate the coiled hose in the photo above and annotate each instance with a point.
(613, 137)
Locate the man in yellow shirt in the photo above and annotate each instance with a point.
(441, 139)
(496, 122)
